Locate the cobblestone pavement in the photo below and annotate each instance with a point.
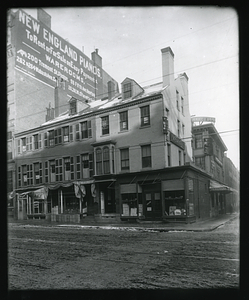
(43, 257)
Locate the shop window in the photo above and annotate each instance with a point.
(198, 141)
(145, 115)
(99, 161)
(105, 125)
(125, 163)
(24, 145)
(174, 203)
(146, 156)
(106, 160)
(127, 90)
(123, 117)
(52, 170)
(129, 204)
(86, 129)
(58, 169)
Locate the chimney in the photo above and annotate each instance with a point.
(111, 89)
(60, 97)
(44, 17)
(167, 66)
(96, 58)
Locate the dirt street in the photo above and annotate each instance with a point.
(74, 257)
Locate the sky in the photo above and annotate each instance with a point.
(204, 41)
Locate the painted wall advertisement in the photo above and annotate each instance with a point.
(47, 57)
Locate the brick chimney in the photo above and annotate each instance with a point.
(167, 66)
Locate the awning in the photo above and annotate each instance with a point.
(218, 187)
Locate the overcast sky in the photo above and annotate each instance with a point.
(203, 39)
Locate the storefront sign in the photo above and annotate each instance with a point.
(177, 141)
(46, 56)
(203, 119)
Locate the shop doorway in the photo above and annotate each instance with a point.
(152, 202)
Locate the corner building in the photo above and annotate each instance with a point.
(122, 157)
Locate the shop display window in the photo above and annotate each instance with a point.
(175, 204)
(129, 204)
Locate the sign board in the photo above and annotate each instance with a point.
(46, 56)
(203, 119)
(177, 141)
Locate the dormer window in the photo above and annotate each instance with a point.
(127, 90)
(73, 107)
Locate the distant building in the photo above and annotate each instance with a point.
(209, 155)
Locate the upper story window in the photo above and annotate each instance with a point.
(24, 144)
(183, 129)
(106, 160)
(146, 156)
(200, 162)
(145, 115)
(29, 143)
(51, 138)
(127, 90)
(182, 105)
(198, 141)
(177, 100)
(52, 170)
(38, 173)
(36, 142)
(178, 128)
(105, 125)
(180, 157)
(65, 134)
(73, 107)
(99, 161)
(123, 117)
(124, 156)
(86, 129)
(24, 175)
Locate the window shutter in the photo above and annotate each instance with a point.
(19, 146)
(72, 167)
(40, 140)
(71, 133)
(77, 128)
(59, 136)
(45, 139)
(91, 165)
(55, 137)
(89, 125)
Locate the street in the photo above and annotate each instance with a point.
(54, 257)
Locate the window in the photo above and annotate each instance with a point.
(113, 166)
(77, 131)
(145, 115)
(38, 173)
(127, 90)
(52, 170)
(73, 107)
(124, 155)
(29, 143)
(46, 171)
(105, 125)
(183, 129)
(146, 156)
(58, 169)
(24, 144)
(65, 134)
(177, 100)
(169, 154)
(78, 167)
(72, 167)
(198, 141)
(99, 161)
(30, 174)
(180, 157)
(85, 165)
(57, 136)
(18, 146)
(106, 160)
(36, 142)
(200, 162)
(51, 138)
(123, 117)
(24, 175)
(178, 128)
(67, 168)
(19, 176)
(86, 129)
(182, 105)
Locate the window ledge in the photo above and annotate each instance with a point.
(145, 126)
(126, 130)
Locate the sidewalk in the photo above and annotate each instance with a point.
(198, 226)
